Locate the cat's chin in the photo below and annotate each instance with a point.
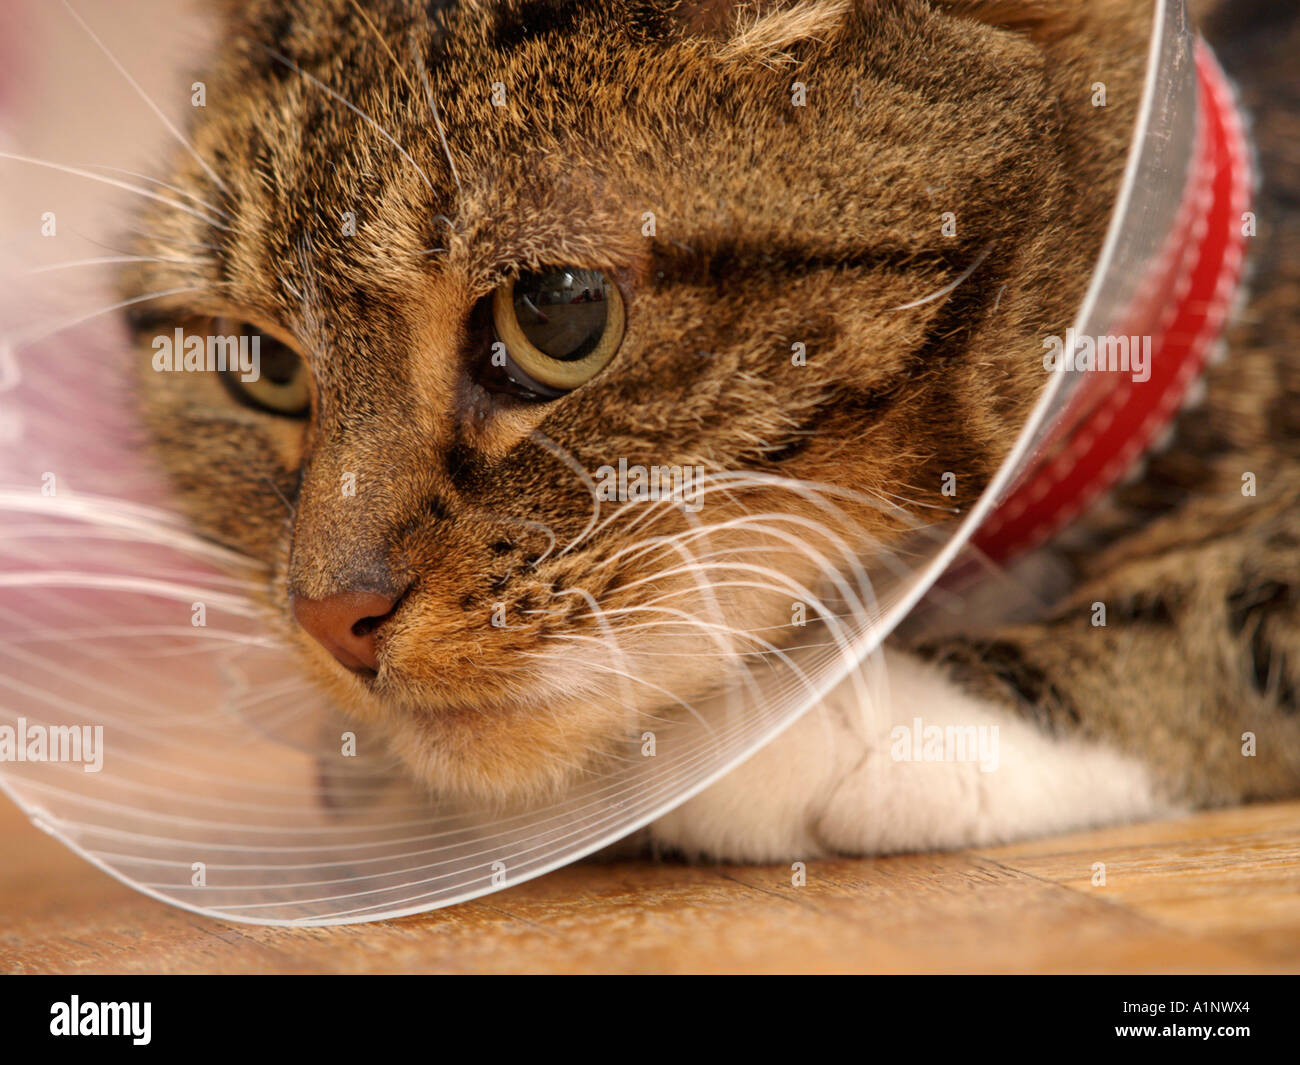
(490, 752)
(497, 755)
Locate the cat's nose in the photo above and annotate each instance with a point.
(345, 624)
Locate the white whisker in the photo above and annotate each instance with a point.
(193, 197)
(91, 176)
(22, 340)
(563, 454)
(145, 97)
(947, 288)
(109, 260)
(355, 110)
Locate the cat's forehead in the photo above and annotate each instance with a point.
(374, 148)
(357, 172)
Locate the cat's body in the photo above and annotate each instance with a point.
(386, 166)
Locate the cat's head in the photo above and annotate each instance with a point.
(513, 266)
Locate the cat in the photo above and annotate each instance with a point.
(490, 248)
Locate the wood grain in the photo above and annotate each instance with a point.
(1218, 892)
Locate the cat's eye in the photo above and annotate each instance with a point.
(559, 328)
(262, 372)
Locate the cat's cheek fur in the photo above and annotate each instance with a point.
(831, 784)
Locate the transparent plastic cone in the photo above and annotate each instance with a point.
(210, 794)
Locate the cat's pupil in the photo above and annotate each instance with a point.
(562, 312)
(280, 364)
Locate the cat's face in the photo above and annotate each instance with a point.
(695, 248)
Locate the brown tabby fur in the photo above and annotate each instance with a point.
(774, 224)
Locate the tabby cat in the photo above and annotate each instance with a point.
(490, 248)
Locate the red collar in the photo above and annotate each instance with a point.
(1111, 420)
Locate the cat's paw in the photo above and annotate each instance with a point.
(919, 764)
(952, 769)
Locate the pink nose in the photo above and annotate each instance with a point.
(345, 624)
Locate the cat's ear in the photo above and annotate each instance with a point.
(1045, 21)
(760, 27)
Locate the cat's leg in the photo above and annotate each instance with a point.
(919, 763)
(1180, 691)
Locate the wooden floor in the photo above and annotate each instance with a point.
(1218, 892)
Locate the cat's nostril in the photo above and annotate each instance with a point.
(366, 626)
(345, 624)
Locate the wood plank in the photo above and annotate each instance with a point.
(1215, 892)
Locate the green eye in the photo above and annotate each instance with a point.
(270, 376)
(560, 326)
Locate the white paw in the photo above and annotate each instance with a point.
(922, 766)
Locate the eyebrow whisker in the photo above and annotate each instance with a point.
(108, 260)
(437, 120)
(383, 43)
(145, 96)
(354, 109)
(79, 172)
(193, 197)
(21, 341)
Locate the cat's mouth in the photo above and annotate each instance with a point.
(376, 672)
(509, 723)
